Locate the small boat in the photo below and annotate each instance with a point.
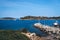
(56, 24)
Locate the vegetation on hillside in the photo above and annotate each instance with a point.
(12, 35)
(39, 17)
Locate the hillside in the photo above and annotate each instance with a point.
(12, 35)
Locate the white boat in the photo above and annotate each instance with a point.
(56, 24)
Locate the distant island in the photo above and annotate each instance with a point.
(7, 18)
(38, 17)
(31, 18)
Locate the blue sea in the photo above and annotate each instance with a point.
(28, 24)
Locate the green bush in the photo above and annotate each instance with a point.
(12, 35)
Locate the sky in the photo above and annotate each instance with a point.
(20, 8)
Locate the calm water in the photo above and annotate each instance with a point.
(28, 24)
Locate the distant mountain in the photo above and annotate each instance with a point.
(39, 17)
(7, 18)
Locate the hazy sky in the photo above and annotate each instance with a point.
(19, 8)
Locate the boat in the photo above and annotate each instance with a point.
(56, 24)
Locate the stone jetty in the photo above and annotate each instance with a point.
(47, 29)
(53, 32)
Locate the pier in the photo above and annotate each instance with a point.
(53, 32)
(48, 29)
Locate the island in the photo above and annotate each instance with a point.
(31, 18)
(7, 18)
(38, 17)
